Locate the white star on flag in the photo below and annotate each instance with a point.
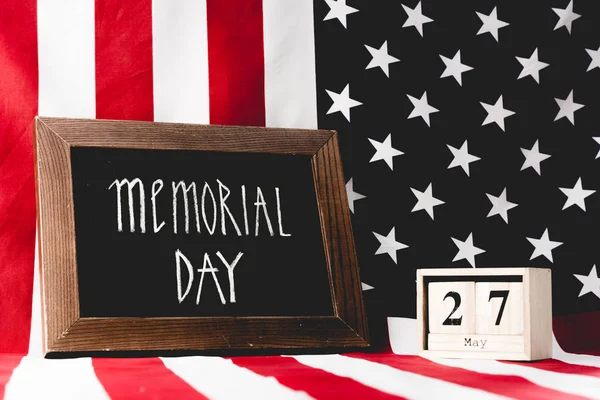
(466, 250)
(491, 23)
(381, 58)
(422, 108)
(531, 66)
(591, 283)
(533, 158)
(389, 245)
(597, 139)
(543, 246)
(462, 158)
(567, 108)
(454, 67)
(500, 205)
(415, 18)
(595, 55)
(338, 9)
(352, 195)
(566, 17)
(342, 102)
(366, 287)
(496, 113)
(576, 196)
(425, 200)
(385, 151)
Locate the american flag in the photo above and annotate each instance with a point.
(468, 135)
(469, 131)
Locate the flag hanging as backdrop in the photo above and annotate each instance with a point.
(468, 130)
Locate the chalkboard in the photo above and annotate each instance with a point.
(125, 274)
(157, 236)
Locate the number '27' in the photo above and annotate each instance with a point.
(457, 300)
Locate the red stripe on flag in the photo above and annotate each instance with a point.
(562, 367)
(8, 363)
(505, 385)
(236, 68)
(141, 378)
(578, 333)
(18, 107)
(124, 87)
(317, 383)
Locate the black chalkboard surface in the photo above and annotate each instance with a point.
(125, 274)
(168, 237)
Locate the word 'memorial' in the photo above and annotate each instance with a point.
(199, 205)
(212, 208)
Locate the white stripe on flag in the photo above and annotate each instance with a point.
(570, 383)
(66, 58)
(391, 380)
(35, 333)
(38, 378)
(570, 358)
(403, 335)
(218, 378)
(180, 61)
(290, 76)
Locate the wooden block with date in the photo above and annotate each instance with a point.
(454, 298)
(494, 313)
(499, 308)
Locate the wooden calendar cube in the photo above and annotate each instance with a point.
(495, 313)
(456, 313)
(499, 308)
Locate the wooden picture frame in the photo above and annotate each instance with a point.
(63, 328)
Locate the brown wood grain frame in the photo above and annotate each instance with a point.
(63, 328)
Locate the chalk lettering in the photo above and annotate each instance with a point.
(189, 193)
(224, 208)
(245, 210)
(230, 268)
(186, 189)
(211, 229)
(207, 266)
(130, 184)
(178, 257)
(279, 214)
(260, 202)
(155, 192)
(212, 271)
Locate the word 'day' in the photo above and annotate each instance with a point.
(498, 313)
(206, 267)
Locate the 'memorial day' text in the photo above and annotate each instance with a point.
(208, 209)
